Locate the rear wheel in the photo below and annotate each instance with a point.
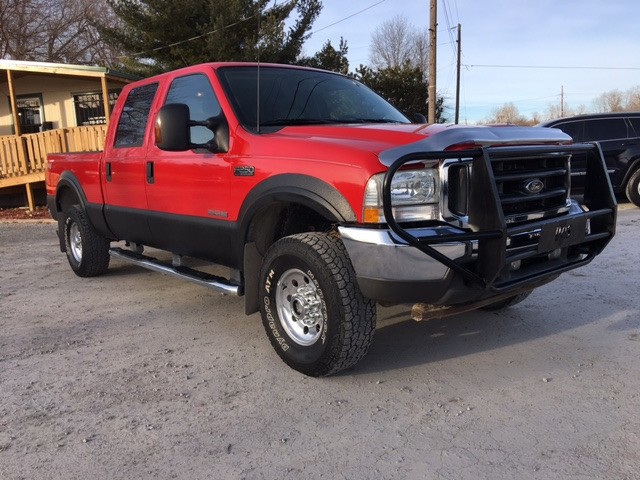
(633, 188)
(87, 252)
(312, 309)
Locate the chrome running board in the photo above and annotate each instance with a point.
(219, 284)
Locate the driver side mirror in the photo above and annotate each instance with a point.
(419, 118)
(173, 130)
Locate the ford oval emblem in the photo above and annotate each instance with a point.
(533, 186)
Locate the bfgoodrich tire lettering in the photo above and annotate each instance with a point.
(87, 252)
(312, 309)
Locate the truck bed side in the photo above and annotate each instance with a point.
(78, 171)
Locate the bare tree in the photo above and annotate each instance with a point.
(612, 101)
(558, 111)
(632, 102)
(508, 114)
(55, 31)
(397, 43)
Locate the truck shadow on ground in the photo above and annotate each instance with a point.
(406, 343)
(401, 342)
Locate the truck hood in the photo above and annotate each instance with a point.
(390, 141)
(373, 138)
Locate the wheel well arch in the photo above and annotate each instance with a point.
(280, 219)
(281, 206)
(303, 189)
(633, 166)
(69, 191)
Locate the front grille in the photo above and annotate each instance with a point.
(458, 189)
(513, 173)
(532, 184)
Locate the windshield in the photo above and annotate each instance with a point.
(290, 96)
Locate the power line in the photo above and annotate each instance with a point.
(189, 39)
(447, 16)
(548, 67)
(347, 17)
(156, 49)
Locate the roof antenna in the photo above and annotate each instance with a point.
(258, 74)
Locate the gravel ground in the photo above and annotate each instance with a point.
(136, 375)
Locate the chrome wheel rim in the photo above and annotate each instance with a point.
(75, 242)
(299, 305)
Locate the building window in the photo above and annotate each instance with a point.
(90, 107)
(30, 113)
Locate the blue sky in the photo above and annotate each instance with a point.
(513, 33)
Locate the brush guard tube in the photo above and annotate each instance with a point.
(490, 270)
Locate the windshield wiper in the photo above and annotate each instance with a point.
(369, 120)
(296, 121)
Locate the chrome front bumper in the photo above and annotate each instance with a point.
(446, 265)
(381, 254)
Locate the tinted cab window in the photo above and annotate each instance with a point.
(635, 124)
(196, 92)
(574, 129)
(135, 113)
(605, 129)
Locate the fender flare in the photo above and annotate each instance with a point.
(69, 180)
(94, 211)
(303, 189)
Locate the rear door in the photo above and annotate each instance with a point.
(612, 133)
(124, 168)
(631, 157)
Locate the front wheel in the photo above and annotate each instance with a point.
(312, 309)
(633, 188)
(87, 252)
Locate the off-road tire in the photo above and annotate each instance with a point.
(633, 188)
(507, 302)
(87, 252)
(314, 314)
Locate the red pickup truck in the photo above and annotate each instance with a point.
(324, 200)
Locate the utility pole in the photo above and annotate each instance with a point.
(433, 12)
(562, 100)
(458, 75)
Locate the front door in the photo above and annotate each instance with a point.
(187, 192)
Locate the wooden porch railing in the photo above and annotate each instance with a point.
(23, 158)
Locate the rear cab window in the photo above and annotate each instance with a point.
(134, 117)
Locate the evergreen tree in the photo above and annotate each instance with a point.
(329, 58)
(153, 32)
(403, 86)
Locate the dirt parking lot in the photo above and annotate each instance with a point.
(137, 375)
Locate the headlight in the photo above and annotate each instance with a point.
(415, 195)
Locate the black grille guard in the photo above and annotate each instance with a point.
(487, 223)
